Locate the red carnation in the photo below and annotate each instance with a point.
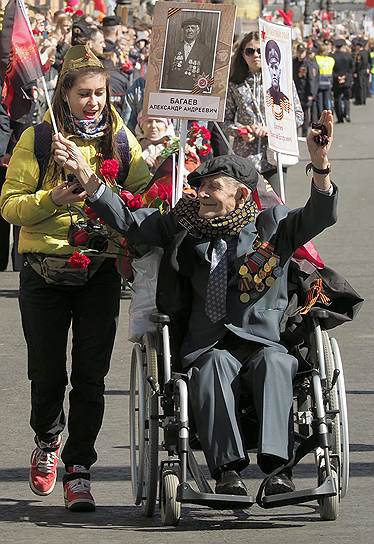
(79, 13)
(36, 31)
(205, 133)
(152, 193)
(165, 193)
(69, 9)
(195, 126)
(79, 260)
(90, 213)
(136, 202)
(126, 196)
(109, 168)
(205, 150)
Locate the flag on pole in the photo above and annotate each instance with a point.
(20, 64)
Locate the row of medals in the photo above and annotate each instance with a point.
(257, 282)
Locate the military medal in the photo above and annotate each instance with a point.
(245, 297)
(259, 271)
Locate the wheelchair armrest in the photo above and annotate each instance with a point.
(159, 318)
(319, 313)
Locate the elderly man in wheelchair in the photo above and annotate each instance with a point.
(236, 261)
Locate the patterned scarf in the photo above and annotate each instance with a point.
(186, 212)
(87, 129)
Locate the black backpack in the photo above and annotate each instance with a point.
(42, 151)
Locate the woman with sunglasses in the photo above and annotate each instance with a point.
(245, 109)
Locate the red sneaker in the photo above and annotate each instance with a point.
(77, 490)
(43, 469)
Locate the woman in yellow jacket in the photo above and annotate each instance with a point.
(56, 289)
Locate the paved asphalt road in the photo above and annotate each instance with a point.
(348, 247)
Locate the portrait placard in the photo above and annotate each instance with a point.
(276, 65)
(189, 60)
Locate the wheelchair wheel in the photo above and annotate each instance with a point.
(144, 426)
(170, 507)
(137, 423)
(151, 471)
(343, 418)
(329, 506)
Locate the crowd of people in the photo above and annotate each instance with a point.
(104, 153)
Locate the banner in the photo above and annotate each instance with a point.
(189, 61)
(276, 65)
(20, 64)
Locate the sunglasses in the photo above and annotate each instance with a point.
(251, 51)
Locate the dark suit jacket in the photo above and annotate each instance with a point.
(256, 321)
(181, 74)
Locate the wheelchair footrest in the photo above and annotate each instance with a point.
(186, 494)
(326, 489)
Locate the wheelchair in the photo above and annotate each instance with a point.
(159, 421)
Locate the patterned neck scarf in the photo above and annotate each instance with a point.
(186, 212)
(87, 129)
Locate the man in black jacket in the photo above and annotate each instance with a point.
(304, 77)
(342, 81)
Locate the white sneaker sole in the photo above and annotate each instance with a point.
(37, 491)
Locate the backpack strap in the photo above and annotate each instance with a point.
(124, 153)
(42, 151)
(42, 148)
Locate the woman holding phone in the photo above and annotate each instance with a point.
(57, 290)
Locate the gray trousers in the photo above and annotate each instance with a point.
(216, 382)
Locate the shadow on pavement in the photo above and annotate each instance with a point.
(131, 518)
(114, 474)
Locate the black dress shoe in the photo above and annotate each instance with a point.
(230, 483)
(280, 483)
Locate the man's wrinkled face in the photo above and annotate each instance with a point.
(191, 32)
(219, 195)
(275, 73)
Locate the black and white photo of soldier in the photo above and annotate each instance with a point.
(275, 98)
(190, 49)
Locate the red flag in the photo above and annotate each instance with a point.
(20, 64)
(100, 6)
(370, 3)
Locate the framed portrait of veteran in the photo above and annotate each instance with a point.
(189, 60)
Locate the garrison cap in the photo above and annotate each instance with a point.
(79, 56)
(272, 51)
(191, 21)
(238, 168)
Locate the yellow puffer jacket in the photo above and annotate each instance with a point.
(44, 227)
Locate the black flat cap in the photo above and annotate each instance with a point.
(191, 21)
(112, 20)
(272, 51)
(300, 47)
(238, 168)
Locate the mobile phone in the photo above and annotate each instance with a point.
(72, 180)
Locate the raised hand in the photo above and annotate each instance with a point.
(319, 153)
(67, 154)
